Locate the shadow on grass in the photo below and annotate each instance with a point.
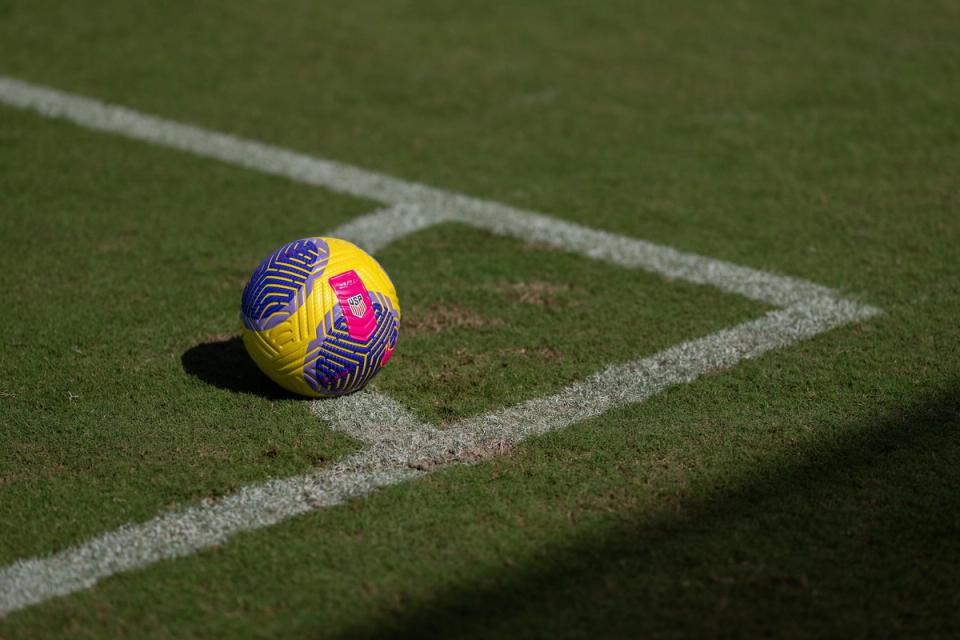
(856, 536)
(227, 365)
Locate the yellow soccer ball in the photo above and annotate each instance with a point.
(320, 317)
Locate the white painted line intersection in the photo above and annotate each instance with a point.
(399, 447)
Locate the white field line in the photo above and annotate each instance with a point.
(399, 447)
(376, 230)
(417, 199)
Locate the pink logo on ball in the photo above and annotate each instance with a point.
(355, 304)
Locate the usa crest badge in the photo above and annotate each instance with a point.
(357, 306)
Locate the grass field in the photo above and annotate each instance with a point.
(808, 492)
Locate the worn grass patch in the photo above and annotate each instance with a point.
(496, 322)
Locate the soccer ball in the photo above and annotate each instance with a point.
(320, 317)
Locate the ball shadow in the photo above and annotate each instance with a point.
(227, 365)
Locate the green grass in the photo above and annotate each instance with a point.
(115, 301)
(807, 493)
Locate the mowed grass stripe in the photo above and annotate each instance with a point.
(492, 216)
(396, 453)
